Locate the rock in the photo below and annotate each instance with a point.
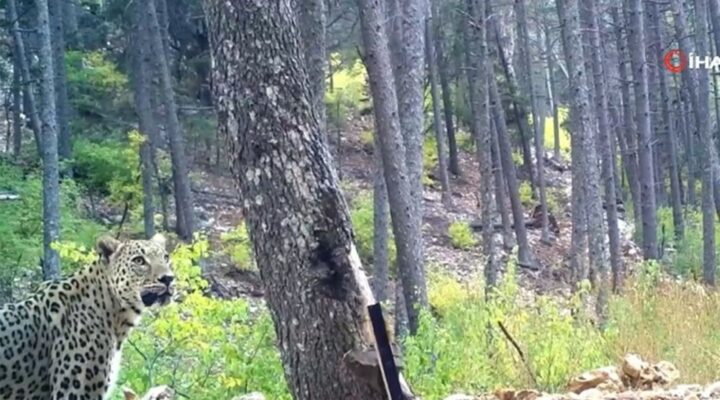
(592, 379)
(459, 397)
(527, 395)
(505, 394)
(711, 391)
(592, 394)
(627, 395)
(665, 373)
(633, 366)
(250, 396)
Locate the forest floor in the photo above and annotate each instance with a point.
(219, 212)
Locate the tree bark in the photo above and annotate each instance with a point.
(478, 65)
(454, 163)
(62, 104)
(584, 134)
(16, 110)
(524, 47)
(554, 95)
(381, 224)
(699, 93)
(27, 84)
(638, 62)
(183, 195)
(406, 223)
(51, 173)
(440, 138)
(605, 142)
(500, 190)
(311, 18)
(316, 291)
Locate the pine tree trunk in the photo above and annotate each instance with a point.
(16, 110)
(70, 22)
(584, 134)
(316, 291)
(406, 222)
(478, 64)
(638, 62)
(440, 138)
(524, 47)
(51, 172)
(311, 19)
(183, 195)
(454, 163)
(605, 142)
(500, 190)
(699, 93)
(381, 224)
(27, 80)
(62, 104)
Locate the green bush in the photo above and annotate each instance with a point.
(346, 89)
(238, 247)
(526, 194)
(687, 258)
(361, 215)
(461, 235)
(465, 141)
(549, 133)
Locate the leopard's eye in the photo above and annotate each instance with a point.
(139, 260)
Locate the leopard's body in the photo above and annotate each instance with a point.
(62, 342)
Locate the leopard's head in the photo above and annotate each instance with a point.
(140, 270)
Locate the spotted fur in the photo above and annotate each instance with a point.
(61, 342)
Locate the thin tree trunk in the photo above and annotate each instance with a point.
(478, 65)
(536, 118)
(554, 96)
(454, 163)
(51, 173)
(638, 61)
(699, 92)
(631, 164)
(70, 22)
(301, 214)
(62, 104)
(500, 189)
(181, 182)
(606, 142)
(311, 20)
(381, 223)
(437, 124)
(16, 110)
(405, 221)
(28, 86)
(525, 257)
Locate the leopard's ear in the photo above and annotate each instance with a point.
(159, 239)
(106, 246)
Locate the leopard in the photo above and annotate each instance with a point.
(64, 341)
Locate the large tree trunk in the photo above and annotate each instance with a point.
(584, 133)
(297, 219)
(183, 195)
(27, 80)
(638, 62)
(62, 104)
(699, 93)
(311, 18)
(605, 142)
(479, 64)
(405, 218)
(51, 173)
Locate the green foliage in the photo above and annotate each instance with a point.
(464, 351)
(346, 89)
(238, 246)
(517, 157)
(21, 228)
(549, 132)
(367, 137)
(465, 141)
(461, 235)
(361, 215)
(95, 86)
(430, 158)
(206, 348)
(687, 258)
(526, 194)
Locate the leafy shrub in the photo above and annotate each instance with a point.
(346, 88)
(465, 141)
(517, 158)
(361, 215)
(238, 247)
(367, 138)
(430, 158)
(461, 235)
(687, 255)
(526, 194)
